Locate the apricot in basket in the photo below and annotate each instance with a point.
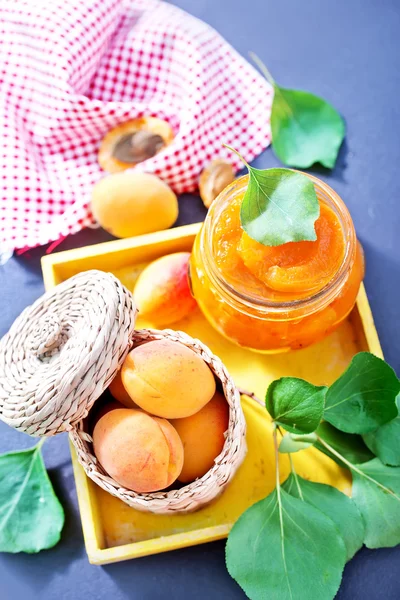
(118, 392)
(203, 437)
(140, 452)
(167, 379)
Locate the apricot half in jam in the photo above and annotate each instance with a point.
(298, 266)
(133, 142)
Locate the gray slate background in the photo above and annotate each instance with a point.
(348, 52)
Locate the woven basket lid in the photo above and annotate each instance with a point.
(62, 352)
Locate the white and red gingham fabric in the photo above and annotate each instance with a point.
(72, 69)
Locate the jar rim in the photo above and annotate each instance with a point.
(309, 303)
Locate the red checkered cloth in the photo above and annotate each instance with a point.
(72, 70)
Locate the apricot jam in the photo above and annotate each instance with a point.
(274, 299)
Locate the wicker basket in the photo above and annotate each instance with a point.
(63, 352)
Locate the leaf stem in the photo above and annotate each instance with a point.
(295, 476)
(278, 488)
(277, 474)
(262, 68)
(40, 444)
(237, 154)
(293, 470)
(251, 395)
(356, 469)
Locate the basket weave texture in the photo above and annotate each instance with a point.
(202, 490)
(63, 352)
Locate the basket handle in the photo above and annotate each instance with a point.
(47, 335)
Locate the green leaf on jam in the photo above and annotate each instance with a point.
(305, 128)
(279, 206)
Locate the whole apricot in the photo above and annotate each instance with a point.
(130, 203)
(140, 452)
(97, 413)
(118, 392)
(203, 437)
(162, 292)
(167, 379)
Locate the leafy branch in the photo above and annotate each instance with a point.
(309, 530)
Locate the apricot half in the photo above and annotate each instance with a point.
(140, 452)
(132, 203)
(167, 379)
(162, 292)
(298, 266)
(203, 437)
(133, 142)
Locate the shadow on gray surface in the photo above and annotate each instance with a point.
(208, 577)
(191, 210)
(380, 291)
(338, 172)
(359, 576)
(31, 258)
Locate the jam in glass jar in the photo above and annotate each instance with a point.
(280, 298)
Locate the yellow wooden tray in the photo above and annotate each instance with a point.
(112, 530)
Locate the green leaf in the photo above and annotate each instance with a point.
(31, 517)
(379, 508)
(364, 397)
(279, 206)
(294, 443)
(349, 446)
(290, 551)
(305, 128)
(385, 441)
(296, 404)
(337, 506)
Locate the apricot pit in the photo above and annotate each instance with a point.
(133, 142)
(213, 179)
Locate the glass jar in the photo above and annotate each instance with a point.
(233, 303)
